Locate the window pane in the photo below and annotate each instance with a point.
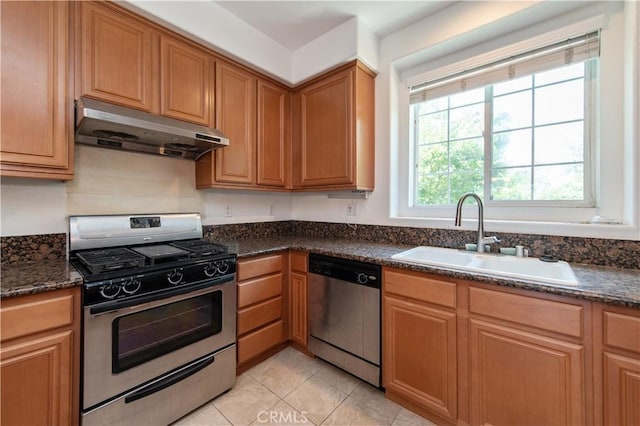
(466, 122)
(512, 111)
(560, 143)
(466, 182)
(466, 155)
(512, 85)
(433, 105)
(511, 148)
(511, 184)
(560, 74)
(559, 182)
(433, 159)
(560, 102)
(433, 127)
(433, 190)
(466, 98)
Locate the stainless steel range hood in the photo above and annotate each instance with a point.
(111, 126)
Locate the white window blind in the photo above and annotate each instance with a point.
(570, 51)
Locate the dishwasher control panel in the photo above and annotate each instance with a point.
(345, 270)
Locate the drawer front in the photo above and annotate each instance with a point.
(621, 331)
(254, 291)
(420, 287)
(547, 315)
(259, 315)
(30, 315)
(257, 266)
(299, 261)
(259, 341)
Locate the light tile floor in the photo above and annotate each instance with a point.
(292, 389)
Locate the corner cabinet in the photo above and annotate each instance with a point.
(39, 359)
(334, 131)
(256, 117)
(37, 102)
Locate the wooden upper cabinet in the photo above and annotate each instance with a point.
(37, 106)
(274, 135)
(118, 57)
(334, 130)
(236, 118)
(185, 81)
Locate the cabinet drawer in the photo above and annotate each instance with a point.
(621, 331)
(420, 287)
(299, 262)
(547, 315)
(254, 291)
(33, 314)
(258, 315)
(259, 341)
(258, 266)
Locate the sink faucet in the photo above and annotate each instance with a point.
(482, 240)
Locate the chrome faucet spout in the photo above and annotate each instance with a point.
(458, 220)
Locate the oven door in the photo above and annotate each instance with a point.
(130, 342)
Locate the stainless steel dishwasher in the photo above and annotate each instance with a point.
(344, 315)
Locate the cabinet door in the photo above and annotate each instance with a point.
(117, 57)
(523, 378)
(326, 132)
(621, 390)
(299, 302)
(274, 141)
(185, 81)
(36, 381)
(236, 118)
(419, 355)
(36, 111)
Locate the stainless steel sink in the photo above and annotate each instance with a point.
(527, 268)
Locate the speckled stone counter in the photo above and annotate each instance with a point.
(601, 284)
(19, 279)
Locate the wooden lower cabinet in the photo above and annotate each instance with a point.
(419, 343)
(617, 365)
(298, 296)
(519, 377)
(39, 359)
(262, 313)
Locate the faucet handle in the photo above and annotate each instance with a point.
(490, 240)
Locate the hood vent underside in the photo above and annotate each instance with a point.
(111, 126)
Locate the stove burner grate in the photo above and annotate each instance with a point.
(200, 248)
(110, 259)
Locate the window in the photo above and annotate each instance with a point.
(516, 131)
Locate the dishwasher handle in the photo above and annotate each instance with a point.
(350, 271)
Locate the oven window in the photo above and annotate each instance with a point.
(145, 335)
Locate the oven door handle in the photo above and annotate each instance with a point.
(135, 301)
(169, 381)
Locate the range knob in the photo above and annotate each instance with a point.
(131, 286)
(109, 291)
(210, 269)
(223, 266)
(174, 277)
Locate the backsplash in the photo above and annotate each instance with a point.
(593, 251)
(30, 248)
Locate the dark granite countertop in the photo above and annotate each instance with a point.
(601, 284)
(608, 285)
(19, 279)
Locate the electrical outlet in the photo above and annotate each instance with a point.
(227, 211)
(351, 209)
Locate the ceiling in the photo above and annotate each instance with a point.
(295, 23)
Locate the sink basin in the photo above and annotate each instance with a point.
(526, 268)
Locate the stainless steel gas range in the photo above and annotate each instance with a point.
(159, 323)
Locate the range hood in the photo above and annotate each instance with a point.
(111, 126)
